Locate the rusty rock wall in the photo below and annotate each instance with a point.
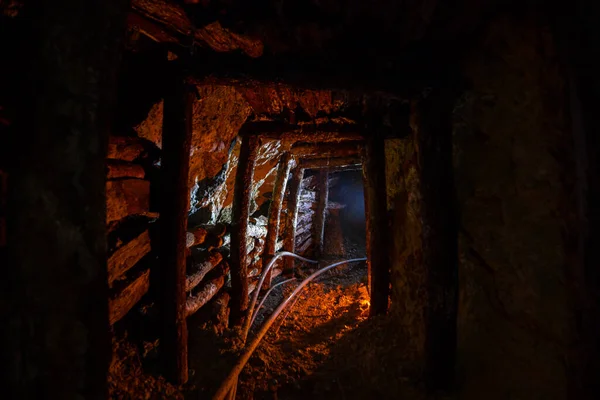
(219, 113)
(513, 164)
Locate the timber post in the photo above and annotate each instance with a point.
(377, 222)
(289, 243)
(174, 203)
(285, 165)
(239, 232)
(321, 213)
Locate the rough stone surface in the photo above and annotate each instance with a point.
(126, 197)
(512, 152)
(151, 127)
(294, 104)
(218, 117)
(124, 300)
(124, 148)
(125, 257)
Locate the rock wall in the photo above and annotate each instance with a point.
(514, 170)
(408, 280)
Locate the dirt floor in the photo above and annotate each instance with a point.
(291, 362)
(326, 348)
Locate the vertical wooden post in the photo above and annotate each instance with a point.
(55, 339)
(289, 243)
(377, 223)
(285, 164)
(368, 225)
(439, 237)
(174, 203)
(239, 232)
(320, 214)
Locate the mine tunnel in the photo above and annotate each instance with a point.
(300, 199)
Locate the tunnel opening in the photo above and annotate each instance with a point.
(345, 226)
(295, 359)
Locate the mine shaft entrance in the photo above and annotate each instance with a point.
(344, 224)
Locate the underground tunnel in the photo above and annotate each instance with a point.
(299, 199)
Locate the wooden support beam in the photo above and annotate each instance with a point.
(127, 256)
(177, 131)
(377, 224)
(239, 232)
(285, 165)
(123, 301)
(123, 169)
(201, 269)
(208, 236)
(322, 150)
(289, 243)
(207, 290)
(321, 213)
(439, 237)
(324, 132)
(318, 163)
(303, 246)
(356, 167)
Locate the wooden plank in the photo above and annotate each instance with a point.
(285, 165)
(322, 132)
(318, 163)
(210, 236)
(120, 304)
(205, 293)
(201, 269)
(303, 247)
(289, 243)
(123, 169)
(177, 133)
(127, 256)
(377, 224)
(321, 149)
(240, 217)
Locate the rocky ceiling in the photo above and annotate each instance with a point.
(392, 45)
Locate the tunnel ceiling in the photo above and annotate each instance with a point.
(316, 43)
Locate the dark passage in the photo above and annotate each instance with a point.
(345, 227)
